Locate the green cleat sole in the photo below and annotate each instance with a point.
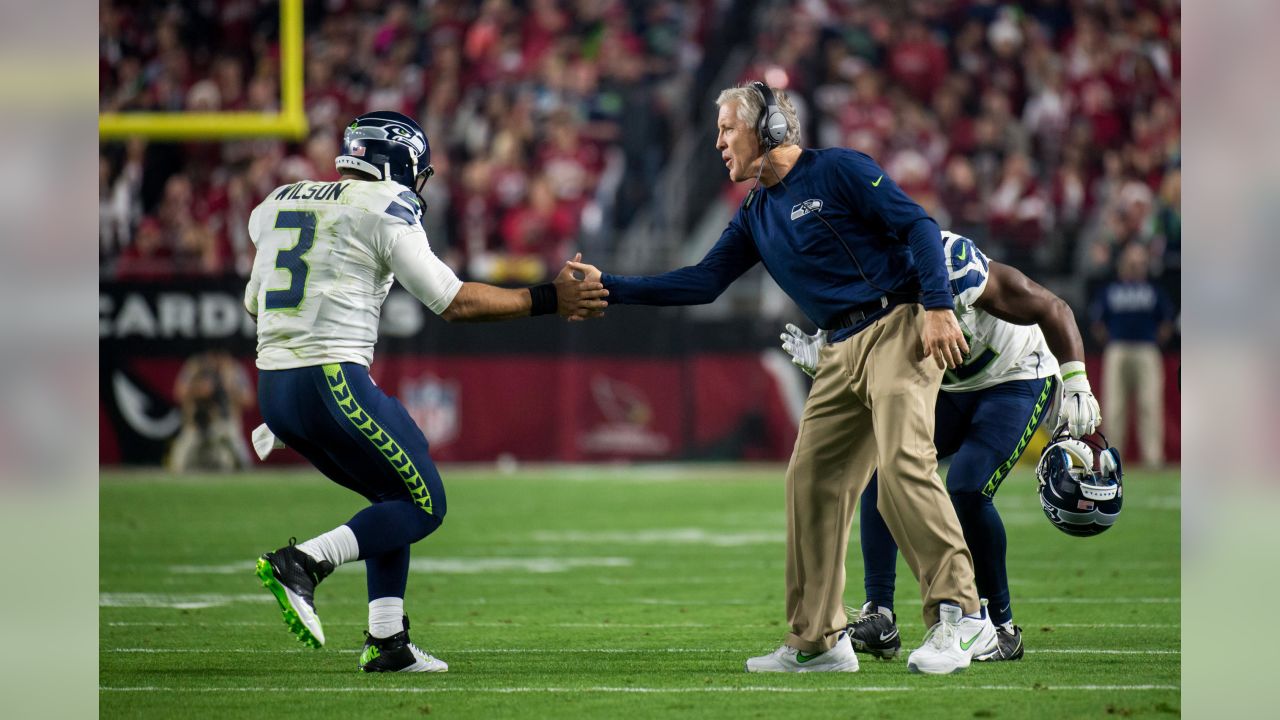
(291, 619)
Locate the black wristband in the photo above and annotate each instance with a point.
(544, 299)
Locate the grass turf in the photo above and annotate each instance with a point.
(598, 591)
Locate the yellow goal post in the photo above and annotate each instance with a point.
(290, 122)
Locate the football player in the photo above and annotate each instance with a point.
(326, 256)
(1022, 339)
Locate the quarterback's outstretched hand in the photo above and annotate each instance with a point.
(804, 349)
(579, 298)
(1079, 410)
(590, 276)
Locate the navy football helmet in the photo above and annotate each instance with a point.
(1080, 496)
(388, 146)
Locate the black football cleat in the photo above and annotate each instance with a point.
(875, 633)
(397, 654)
(292, 576)
(1008, 645)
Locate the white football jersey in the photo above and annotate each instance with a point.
(999, 351)
(326, 252)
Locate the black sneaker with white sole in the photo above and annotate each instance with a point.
(1008, 645)
(292, 576)
(397, 654)
(875, 633)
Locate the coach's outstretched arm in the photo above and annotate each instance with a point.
(1016, 298)
(731, 256)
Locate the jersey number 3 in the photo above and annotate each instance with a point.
(291, 259)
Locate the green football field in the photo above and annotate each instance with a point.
(593, 591)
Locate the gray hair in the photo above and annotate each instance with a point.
(751, 105)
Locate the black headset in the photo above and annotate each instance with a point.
(772, 126)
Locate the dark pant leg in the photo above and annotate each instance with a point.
(1004, 419)
(364, 440)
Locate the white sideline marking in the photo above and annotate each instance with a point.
(1111, 625)
(597, 689)
(178, 601)
(604, 625)
(208, 600)
(909, 601)
(466, 566)
(606, 651)
(1111, 564)
(680, 536)
(1089, 651)
(442, 566)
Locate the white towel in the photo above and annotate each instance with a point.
(264, 441)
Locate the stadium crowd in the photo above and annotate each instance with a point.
(1049, 129)
(533, 109)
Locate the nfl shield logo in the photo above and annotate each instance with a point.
(433, 403)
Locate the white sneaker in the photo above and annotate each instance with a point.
(952, 643)
(839, 658)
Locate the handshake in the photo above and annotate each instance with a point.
(579, 292)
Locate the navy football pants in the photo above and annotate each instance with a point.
(365, 441)
(984, 433)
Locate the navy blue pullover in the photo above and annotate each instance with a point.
(897, 243)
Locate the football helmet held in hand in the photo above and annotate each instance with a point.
(1081, 490)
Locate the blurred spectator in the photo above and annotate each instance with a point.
(1020, 212)
(962, 199)
(149, 256)
(539, 229)
(1133, 317)
(213, 391)
(1168, 234)
(507, 91)
(917, 62)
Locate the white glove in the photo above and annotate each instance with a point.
(264, 441)
(1079, 410)
(802, 348)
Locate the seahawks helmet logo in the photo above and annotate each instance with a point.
(389, 130)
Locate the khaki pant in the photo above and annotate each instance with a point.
(1131, 369)
(871, 406)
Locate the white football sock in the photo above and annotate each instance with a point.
(885, 611)
(338, 546)
(1007, 627)
(386, 616)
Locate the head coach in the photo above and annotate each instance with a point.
(865, 262)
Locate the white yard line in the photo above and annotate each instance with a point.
(1092, 651)
(571, 651)
(380, 689)
(446, 565)
(196, 601)
(1020, 600)
(678, 536)
(600, 625)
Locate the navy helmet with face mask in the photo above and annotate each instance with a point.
(1081, 485)
(388, 146)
